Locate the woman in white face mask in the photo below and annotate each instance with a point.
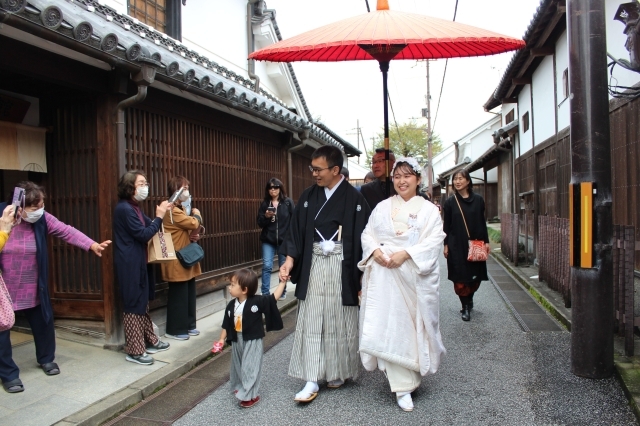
(26, 250)
(184, 229)
(132, 230)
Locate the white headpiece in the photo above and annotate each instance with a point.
(410, 161)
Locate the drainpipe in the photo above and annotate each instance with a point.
(304, 137)
(143, 79)
(251, 68)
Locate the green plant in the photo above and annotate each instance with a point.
(494, 235)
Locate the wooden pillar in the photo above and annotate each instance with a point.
(107, 199)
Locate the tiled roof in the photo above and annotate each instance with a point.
(132, 43)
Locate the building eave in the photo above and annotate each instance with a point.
(549, 14)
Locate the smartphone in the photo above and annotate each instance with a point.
(271, 209)
(175, 196)
(18, 200)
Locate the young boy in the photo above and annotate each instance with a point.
(242, 328)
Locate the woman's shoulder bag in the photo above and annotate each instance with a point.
(192, 253)
(477, 250)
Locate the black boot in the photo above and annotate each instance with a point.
(466, 315)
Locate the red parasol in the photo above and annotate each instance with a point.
(384, 35)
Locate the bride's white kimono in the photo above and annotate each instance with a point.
(399, 313)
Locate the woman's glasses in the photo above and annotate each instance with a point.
(274, 187)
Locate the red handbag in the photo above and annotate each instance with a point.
(477, 250)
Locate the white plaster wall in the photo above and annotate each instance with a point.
(118, 5)
(444, 160)
(544, 120)
(615, 45)
(524, 106)
(562, 63)
(506, 109)
(217, 29)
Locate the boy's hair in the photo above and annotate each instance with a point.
(247, 279)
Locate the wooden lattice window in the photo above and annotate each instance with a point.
(509, 118)
(525, 122)
(151, 12)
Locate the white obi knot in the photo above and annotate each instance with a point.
(327, 246)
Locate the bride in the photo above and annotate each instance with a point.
(399, 314)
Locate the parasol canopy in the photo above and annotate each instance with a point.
(384, 35)
(422, 37)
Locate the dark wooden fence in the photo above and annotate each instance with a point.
(623, 288)
(509, 229)
(553, 255)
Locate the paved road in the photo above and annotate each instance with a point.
(493, 374)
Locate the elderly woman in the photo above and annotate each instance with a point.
(181, 300)
(132, 231)
(399, 314)
(24, 263)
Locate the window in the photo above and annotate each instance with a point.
(509, 117)
(151, 12)
(565, 84)
(525, 122)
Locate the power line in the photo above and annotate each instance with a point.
(455, 12)
(394, 117)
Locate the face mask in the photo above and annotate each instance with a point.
(187, 206)
(184, 196)
(32, 217)
(142, 192)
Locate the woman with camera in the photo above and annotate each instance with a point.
(274, 215)
(132, 231)
(184, 229)
(24, 263)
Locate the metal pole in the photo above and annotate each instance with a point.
(429, 136)
(591, 288)
(384, 67)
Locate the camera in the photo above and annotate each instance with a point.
(18, 200)
(271, 209)
(176, 195)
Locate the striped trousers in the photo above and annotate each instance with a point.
(246, 367)
(326, 340)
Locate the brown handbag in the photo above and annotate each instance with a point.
(477, 250)
(161, 248)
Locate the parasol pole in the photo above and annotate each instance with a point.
(384, 67)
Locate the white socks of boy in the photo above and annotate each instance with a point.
(309, 389)
(404, 401)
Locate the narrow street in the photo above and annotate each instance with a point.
(494, 373)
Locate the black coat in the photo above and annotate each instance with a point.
(275, 232)
(460, 270)
(136, 280)
(347, 208)
(252, 328)
(375, 191)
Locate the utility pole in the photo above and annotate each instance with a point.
(590, 189)
(429, 136)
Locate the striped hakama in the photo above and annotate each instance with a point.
(246, 367)
(326, 340)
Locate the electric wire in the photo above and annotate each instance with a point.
(394, 117)
(446, 62)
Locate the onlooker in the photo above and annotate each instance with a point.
(181, 300)
(24, 264)
(400, 286)
(243, 329)
(369, 177)
(345, 172)
(274, 216)
(464, 221)
(379, 189)
(132, 230)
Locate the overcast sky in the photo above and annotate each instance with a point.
(340, 93)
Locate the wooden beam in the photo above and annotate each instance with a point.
(509, 100)
(521, 81)
(542, 51)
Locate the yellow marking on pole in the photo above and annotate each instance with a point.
(571, 230)
(586, 210)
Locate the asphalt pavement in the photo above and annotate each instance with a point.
(494, 373)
